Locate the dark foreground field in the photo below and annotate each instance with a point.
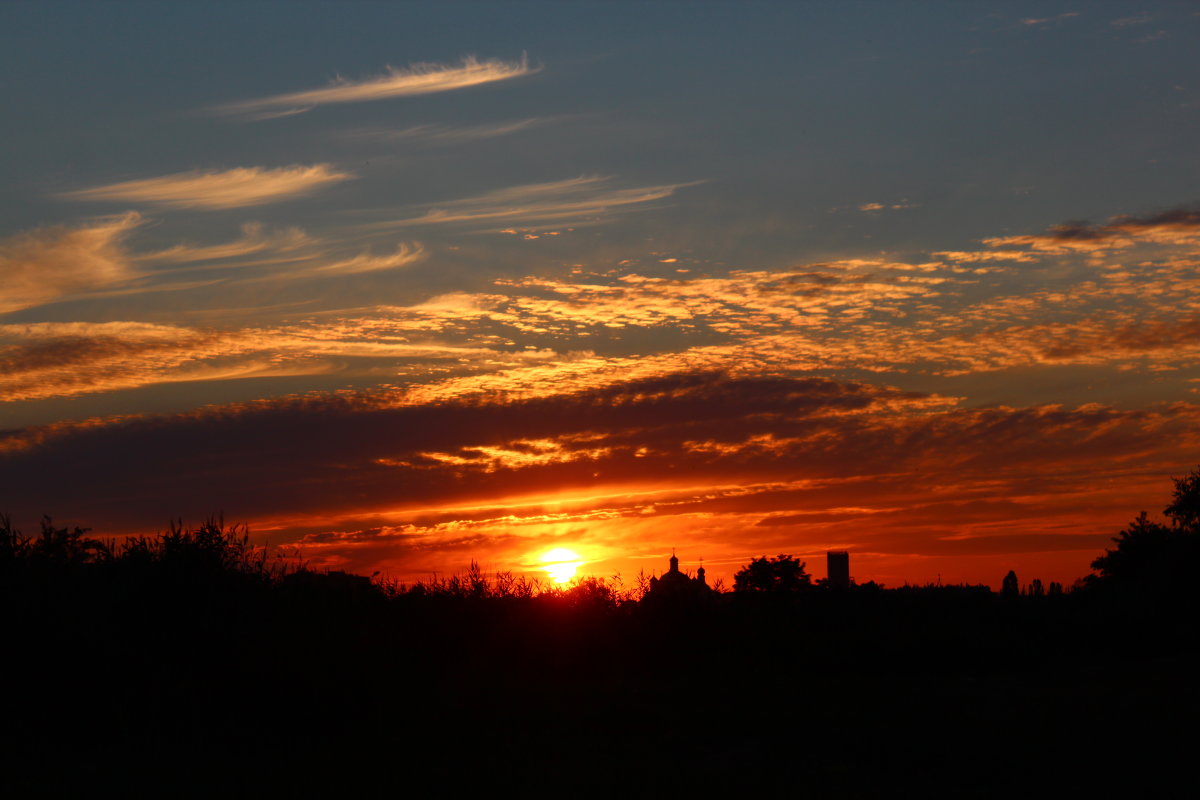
(165, 673)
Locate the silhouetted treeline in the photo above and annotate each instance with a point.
(193, 663)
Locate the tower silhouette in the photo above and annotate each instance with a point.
(837, 566)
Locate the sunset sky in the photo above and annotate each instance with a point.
(408, 285)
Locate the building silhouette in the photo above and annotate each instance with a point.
(676, 584)
(837, 566)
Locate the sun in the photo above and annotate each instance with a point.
(561, 564)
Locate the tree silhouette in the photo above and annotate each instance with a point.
(779, 574)
(1151, 555)
(1010, 587)
(1143, 548)
(1184, 510)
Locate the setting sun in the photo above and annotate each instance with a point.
(561, 564)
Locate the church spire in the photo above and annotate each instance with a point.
(674, 561)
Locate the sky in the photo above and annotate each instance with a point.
(403, 286)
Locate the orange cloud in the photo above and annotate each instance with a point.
(234, 188)
(403, 256)
(538, 333)
(1176, 227)
(448, 134)
(254, 239)
(42, 360)
(987, 256)
(50, 263)
(55, 360)
(417, 79)
(558, 201)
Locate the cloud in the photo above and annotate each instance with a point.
(1105, 340)
(44, 360)
(885, 206)
(234, 188)
(742, 303)
(289, 261)
(93, 262)
(618, 403)
(287, 254)
(417, 79)
(403, 256)
(1178, 226)
(50, 263)
(254, 239)
(1157, 36)
(703, 457)
(572, 199)
(367, 433)
(879, 315)
(1043, 21)
(448, 134)
(987, 256)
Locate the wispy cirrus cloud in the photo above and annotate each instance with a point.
(404, 255)
(279, 254)
(96, 262)
(449, 134)
(1125, 22)
(262, 255)
(581, 198)
(1045, 21)
(255, 238)
(233, 188)
(48, 263)
(417, 79)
